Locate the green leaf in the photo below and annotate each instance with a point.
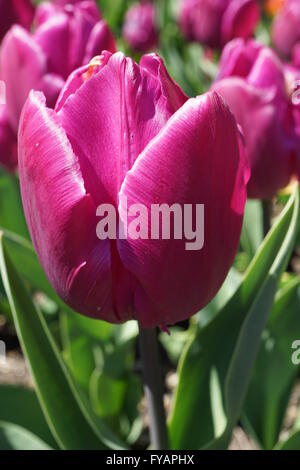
(11, 209)
(77, 350)
(216, 365)
(252, 233)
(13, 437)
(113, 12)
(24, 258)
(98, 329)
(64, 411)
(175, 342)
(292, 443)
(274, 373)
(20, 406)
(107, 394)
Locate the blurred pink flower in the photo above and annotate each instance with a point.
(259, 88)
(286, 29)
(139, 27)
(64, 38)
(215, 22)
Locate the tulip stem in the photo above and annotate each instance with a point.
(154, 389)
(266, 205)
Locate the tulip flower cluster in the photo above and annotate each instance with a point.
(131, 142)
(38, 60)
(215, 22)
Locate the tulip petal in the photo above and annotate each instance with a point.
(240, 19)
(51, 85)
(50, 36)
(238, 57)
(61, 215)
(174, 95)
(111, 118)
(195, 159)
(101, 38)
(268, 72)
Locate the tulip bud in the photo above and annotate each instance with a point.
(215, 22)
(139, 27)
(124, 136)
(258, 90)
(38, 61)
(15, 11)
(286, 28)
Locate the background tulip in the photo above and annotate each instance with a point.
(215, 22)
(139, 27)
(37, 61)
(286, 28)
(15, 11)
(144, 140)
(255, 84)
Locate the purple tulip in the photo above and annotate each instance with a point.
(15, 11)
(122, 131)
(286, 28)
(65, 38)
(258, 89)
(139, 27)
(215, 22)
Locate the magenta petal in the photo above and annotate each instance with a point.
(195, 159)
(50, 36)
(44, 12)
(268, 73)
(240, 19)
(22, 65)
(60, 214)
(8, 142)
(128, 109)
(238, 57)
(74, 81)
(174, 96)
(101, 38)
(51, 85)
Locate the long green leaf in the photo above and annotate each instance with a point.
(216, 366)
(64, 411)
(11, 209)
(274, 373)
(20, 406)
(14, 437)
